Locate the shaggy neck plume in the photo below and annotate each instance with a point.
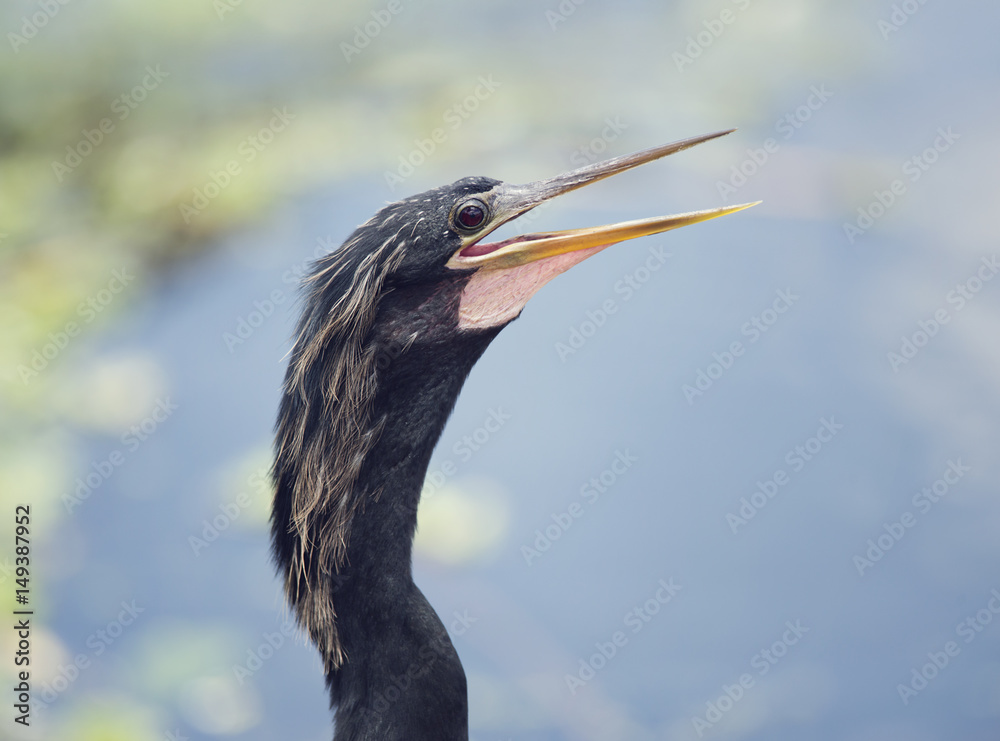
(345, 544)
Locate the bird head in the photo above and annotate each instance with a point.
(431, 251)
(396, 315)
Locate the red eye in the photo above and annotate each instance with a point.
(471, 215)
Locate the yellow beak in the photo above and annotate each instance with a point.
(510, 201)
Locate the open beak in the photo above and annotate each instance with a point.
(510, 201)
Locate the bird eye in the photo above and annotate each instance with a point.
(471, 215)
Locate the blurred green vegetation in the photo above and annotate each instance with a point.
(117, 117)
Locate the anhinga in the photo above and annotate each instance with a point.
(393, 322)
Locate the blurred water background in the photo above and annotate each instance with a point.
(635, 528)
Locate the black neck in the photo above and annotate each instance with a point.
(402, 677)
